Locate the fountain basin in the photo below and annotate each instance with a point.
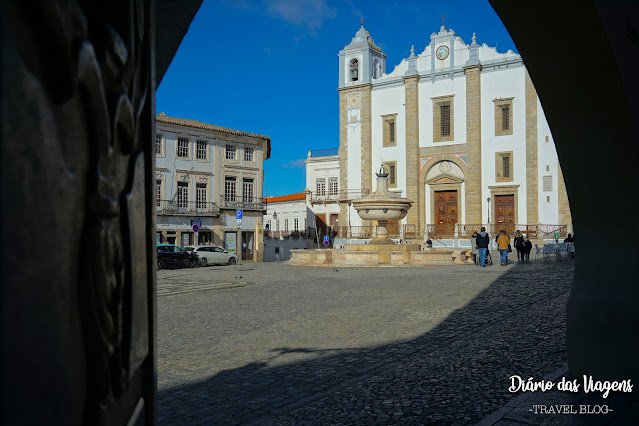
(382, 209)
(372, 255)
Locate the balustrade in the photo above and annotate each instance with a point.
(349, 194)
(245, 203)
(186, 208)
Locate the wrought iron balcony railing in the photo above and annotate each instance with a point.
(527, 230)
(349, 194)
(452, 230)
(186, 208)
(549, 231)
(439, 230)
(244, 203)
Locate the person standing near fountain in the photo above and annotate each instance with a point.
(473, 245)
(519, 245)
(503, 241)
(482, 245)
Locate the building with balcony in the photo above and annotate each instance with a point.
(301, 220)
(322, 185)
(204, 175)
(325, 195)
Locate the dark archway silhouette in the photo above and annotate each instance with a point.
(589, 90)
(76, 125)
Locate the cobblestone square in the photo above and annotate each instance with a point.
(274, 343)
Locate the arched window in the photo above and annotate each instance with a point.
(354, 70)
(375, 68)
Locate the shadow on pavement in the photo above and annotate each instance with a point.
(457, 373)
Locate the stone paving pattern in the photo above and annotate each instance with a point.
(315, 345)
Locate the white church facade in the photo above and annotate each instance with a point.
(460, 129)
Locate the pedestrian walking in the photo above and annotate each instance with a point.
(503, 241)
(473, 245)
(519, 245)
(527, 247)
(482, 242)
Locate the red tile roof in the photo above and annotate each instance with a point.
(289, 197)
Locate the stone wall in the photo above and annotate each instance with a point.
(532, 163)
(473, 142)
(411, 102)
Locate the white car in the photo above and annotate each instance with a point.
(212, 255)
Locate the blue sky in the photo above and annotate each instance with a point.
(271, 66)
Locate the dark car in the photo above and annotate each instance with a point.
(172, 256)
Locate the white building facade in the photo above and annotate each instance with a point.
(322, 185)
(460, 129)
(289, 223)
(204, 174)
(287, 215)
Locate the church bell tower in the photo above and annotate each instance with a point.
(361, 61)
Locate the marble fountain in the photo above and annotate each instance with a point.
(381, 206)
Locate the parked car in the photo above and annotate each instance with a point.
(211, 255)
(172, 256)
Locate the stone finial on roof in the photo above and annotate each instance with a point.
(412, 66)
(473, 52)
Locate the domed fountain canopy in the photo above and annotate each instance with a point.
(382, 172)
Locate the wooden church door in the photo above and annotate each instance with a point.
(446, 212)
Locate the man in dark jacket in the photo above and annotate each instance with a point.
(527, 247)
(482, 245)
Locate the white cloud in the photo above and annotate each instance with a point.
(304, 13)
(294, 164)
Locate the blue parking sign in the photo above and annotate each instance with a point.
(238, 213)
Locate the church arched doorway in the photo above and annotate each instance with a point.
(444, 200)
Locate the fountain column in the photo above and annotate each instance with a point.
(382, 206)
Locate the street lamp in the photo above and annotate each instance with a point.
(348, 234)
(488, 200)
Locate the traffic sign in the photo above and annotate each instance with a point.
(239, 213)
(325, 240)
(196, 227)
